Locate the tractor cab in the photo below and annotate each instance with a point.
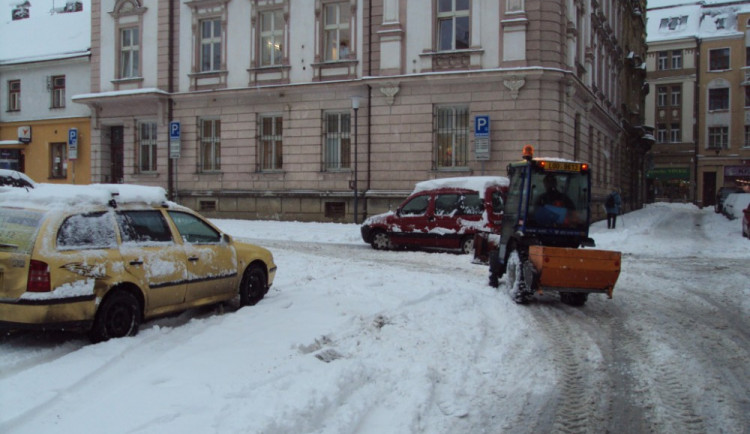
(548, 202)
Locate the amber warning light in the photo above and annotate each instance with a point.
(528, 152)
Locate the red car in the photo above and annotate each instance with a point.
(442, 213)
(746, 222)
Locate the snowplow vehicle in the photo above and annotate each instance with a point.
(544, 239)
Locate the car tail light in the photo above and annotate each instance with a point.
(38, 277)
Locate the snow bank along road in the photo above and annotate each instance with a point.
(356, 340)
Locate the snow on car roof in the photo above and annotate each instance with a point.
(476, 183)
(66, 195)
(16, 175)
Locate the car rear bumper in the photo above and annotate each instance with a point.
(50, 314)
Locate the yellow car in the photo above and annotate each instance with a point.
(106, 257)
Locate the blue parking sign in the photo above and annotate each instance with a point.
(174, 130)
(482, 126)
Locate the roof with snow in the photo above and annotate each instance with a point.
(38, 30)
(475, 183)
(677, 19)
(65, 195)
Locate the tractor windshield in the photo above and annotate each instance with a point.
(559, 199)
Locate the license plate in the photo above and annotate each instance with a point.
(563, 166)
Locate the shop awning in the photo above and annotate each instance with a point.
(12, 144)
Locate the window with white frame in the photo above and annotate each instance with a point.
(661, 133)
(452, 136)
(58, 158)
(210, 145)
(718, 59)
(747, 96)
(718, 137)
(718, 99)
(58, 91)
(337, 141)
(747, 136)
(675, 134)
(270, 142)
(336, 31)
(676, 96)
(130, 52)
(14, 95)
(147, 147)
(210, 45)
(661, 96)
(676, 59)
(271, 37)
(662, 63)
(453, 19)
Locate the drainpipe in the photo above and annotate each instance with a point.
(369, 109)
(170, 89)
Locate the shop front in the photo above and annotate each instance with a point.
(669, 184)
(737, 175)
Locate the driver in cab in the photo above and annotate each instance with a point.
(554, 207)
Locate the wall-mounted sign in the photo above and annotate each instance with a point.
(482, 137)
(73, 144)
(24, 135)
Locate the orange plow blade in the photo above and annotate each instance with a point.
(575, 270)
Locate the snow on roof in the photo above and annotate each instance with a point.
(677, 19)
(66, 195)
(48, 32)
(475, 183)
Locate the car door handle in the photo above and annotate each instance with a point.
(193, 258)
(136, 262)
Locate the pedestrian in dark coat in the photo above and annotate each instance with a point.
(612, 204)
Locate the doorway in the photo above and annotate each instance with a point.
(116, 142)
(709, 189)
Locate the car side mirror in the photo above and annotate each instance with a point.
(227, 239)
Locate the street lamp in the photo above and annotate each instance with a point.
(355, 106)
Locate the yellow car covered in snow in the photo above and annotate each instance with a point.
(106, 257)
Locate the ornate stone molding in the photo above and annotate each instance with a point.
(390, 90)
(514, 84)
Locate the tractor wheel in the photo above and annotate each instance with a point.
(519, 291)
(496, 271)
(574, 298)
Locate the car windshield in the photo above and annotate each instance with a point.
(18, 229)
(559, 199)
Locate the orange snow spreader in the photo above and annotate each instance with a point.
(570, 270)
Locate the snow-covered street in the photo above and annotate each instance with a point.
(354, 340)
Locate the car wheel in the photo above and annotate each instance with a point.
(467, 245)
(119, 315)
(381, 241)
(516, 281)
(253, 286)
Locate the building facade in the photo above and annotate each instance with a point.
(699, 64)
(291, 109)
(42, 132)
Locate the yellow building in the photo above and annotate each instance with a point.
(49, 156)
